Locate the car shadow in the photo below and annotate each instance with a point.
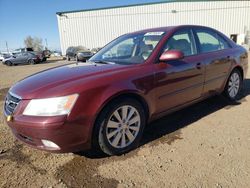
(167, 129)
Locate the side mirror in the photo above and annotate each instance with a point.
(14, 56)
(171, 55)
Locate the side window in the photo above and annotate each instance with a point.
(211, 41)
(183, 41)
(223, 43)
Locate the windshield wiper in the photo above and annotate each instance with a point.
(104, 62)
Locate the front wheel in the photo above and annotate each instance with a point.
(9, 63)
(120, 126)
(234, 85)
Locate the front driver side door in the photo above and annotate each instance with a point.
(179, 81)
(17, 58)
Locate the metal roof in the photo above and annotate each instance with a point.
(133, 5)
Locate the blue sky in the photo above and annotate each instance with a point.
(20, 18)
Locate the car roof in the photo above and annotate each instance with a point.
(170, 28)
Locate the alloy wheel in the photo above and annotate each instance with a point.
(31, 62)
(234, 85)
(123, 126)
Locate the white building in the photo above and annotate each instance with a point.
(96, 27)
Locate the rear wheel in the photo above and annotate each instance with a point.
(120, 126)
(31, 62)
(234, 85)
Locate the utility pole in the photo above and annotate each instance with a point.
(7, 46)
(46, 42)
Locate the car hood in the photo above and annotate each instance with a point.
(8, 58)
(63, 80)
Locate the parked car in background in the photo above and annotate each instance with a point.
(84, 56)
(56, 54)
(72, 53)
(95, 50)
(3, 55)
(133, 80)
(46, 53)
(42, 56)
(23, 58)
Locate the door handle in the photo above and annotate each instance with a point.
(198, 65)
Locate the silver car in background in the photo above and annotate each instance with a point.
(84, 56)
(3, 56)
(23, 58)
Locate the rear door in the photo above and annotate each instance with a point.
(216, 52)
(25, 57)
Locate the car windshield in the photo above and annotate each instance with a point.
(129, 49)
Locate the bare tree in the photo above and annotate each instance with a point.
(34, 42)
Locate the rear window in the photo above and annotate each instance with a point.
(210, 41)
(223, 43)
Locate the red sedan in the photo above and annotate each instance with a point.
(138, 77)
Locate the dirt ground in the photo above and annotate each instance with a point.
(205, 145)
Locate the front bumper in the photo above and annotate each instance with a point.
(69, 136)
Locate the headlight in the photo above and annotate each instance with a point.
(50, 106)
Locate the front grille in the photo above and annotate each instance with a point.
(11, 103)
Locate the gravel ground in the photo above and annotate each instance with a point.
(205, 145)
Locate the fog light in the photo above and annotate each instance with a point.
(50, 144)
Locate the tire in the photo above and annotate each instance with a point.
(31, 62)
(234, 85)
(115, 137)
(9, 63)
